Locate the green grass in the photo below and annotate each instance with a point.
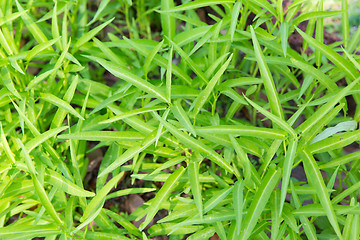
(221, 114)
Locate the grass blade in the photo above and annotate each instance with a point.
(238, 199)
(270, 89)
(100, 196)
(104, 136)
(167, 21)
(204, 95)
(193, 172)
(169, 74)
(89, 35)
(60, 103)
(322, 111)
(197, 4)
(182, 116)
(234, 18)
(288, 165)
(103, 4)
(275, 119)
(150, 57)
(40, 47)
(8, 83)
(133, 113)
(336, 58)
(242, 130)
(130, 153)
(162, 195)
(259, 202)
(195, 144)
(39, 189)
(33, 143)
(312, 172)
(128, 76)
(66, 185)
(317, 74)
(32, 26)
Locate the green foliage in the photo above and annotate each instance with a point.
(217, 108)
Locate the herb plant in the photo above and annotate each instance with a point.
(213, 113)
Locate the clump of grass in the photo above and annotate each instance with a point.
(222, 115)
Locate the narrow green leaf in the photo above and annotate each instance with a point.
(289, 218)
(33, 143)
(32, 26)
(195, 144)
(275, 119)
(167, 21)
(238, 199)
(312, 172)
(66, 185)
(161, 61)
(11, 17)
(129, 191)
(54, 25)
(284, 35)
(168, 164)
(150, 57)
(234, 18)
(319, 34)
(193, 172)
(110, 100)
(204, 95)
(162, 195)
(40, 47)
(339, 141)
(316, 15)
(44, 199)
(288, 165)
(133, 113)
(100, 196)
(190, 62)
(197, 4)
(322, 111)
(128, 76)
(231, 93)
(6, 146)
(203, 234)
(8, 83)
(266, 5)
(61, 113)
(109, 53)
(317, 74)
(206, 37)
(354, 41)
(328, 132)
(130, 153)
(309, 228)
(341, 160)
(251, 177)
(243, 130)
(169, 74)
(60, 103)
(24, 231)
(345, 22)
(36, 80)
(270, 89)
(336, 58)
(182, 116)
(104, 136)
(103, 4)
(89, 35)
(258, 204)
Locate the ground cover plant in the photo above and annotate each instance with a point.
(205, 109)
